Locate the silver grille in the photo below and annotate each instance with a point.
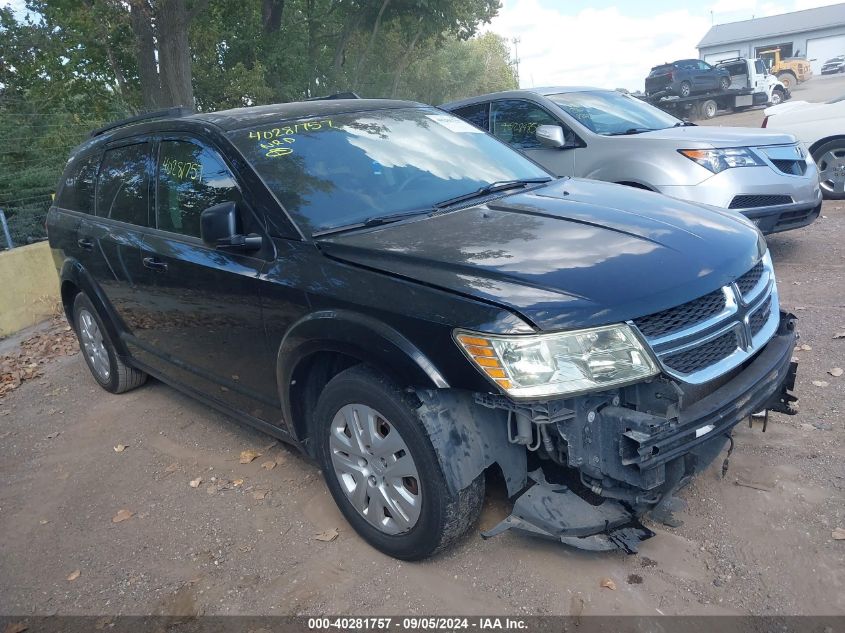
(705, 338)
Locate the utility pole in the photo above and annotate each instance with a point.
(516, 42)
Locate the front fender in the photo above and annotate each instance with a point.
(357, 335)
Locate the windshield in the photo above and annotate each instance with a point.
(608, 112)
(346, 168)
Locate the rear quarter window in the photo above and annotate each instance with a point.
(77, 186)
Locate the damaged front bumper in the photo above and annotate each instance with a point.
(636, 446)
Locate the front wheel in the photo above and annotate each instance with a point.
(382, 470)
(685, 89)
(777, 97)
(830, 159)
(725, 83)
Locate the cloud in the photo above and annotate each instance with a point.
(609, 48)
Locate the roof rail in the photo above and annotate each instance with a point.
(337, 95)
(146, 116)
(730, 60)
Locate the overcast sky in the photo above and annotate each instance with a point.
(614, 43)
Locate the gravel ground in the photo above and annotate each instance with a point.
(758, 541)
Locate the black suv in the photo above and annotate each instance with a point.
(413, 303)
(685, 77)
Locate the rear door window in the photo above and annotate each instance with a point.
(123, 184)
(515, 122)
(191, 178)
(77, 193)
(478, 115)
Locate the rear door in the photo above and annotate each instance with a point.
(109, 242)
(207, 333)
(515, 121)
(707, 77)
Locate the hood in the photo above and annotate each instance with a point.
(574, 253)
(783, 108)
(705, 136)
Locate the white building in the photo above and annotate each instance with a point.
(817, 34)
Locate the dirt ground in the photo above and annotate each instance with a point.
(758, 541)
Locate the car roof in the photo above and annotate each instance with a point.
(542, 91)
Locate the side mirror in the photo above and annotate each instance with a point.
(220, 228)
(550, 136)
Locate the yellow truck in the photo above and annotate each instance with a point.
(789, 70)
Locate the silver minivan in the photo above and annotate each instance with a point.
(607, 135)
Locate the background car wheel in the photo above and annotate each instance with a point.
(788, 80)
(709, 109)
(685, 89)
(99, 352)
(830, 159)
(725, 83)
(382, 470)
(777, 97)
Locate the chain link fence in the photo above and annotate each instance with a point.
(23, 221)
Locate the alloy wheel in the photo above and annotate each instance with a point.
(93, 345)
(832, 170)
(375, 469)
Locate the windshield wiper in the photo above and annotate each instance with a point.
(632, 130)
(376, 220)
(493, 187)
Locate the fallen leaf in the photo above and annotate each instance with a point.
(248, 456)
(43, 522)
(608, 583)
(122, 515)
(327, 536)
(820, 383)
(269, 465)
(237, 482)
(15, 627)
(839, 335)
(172, 468)
(120, 448)
(53, 435)
(805, 347)
(74, 575)
(836, 371)
(195, 483)
(838, 534)
(259, 494)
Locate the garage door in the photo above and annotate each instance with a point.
(823, 48)
(715, 58)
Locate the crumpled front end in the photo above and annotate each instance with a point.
(632, 448)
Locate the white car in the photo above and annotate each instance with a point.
(821, 129)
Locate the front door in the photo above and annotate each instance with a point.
(515, 121)
(208, 332)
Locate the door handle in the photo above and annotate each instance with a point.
(85, 244)
(155, 264)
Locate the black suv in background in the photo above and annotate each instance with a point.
(412, 303)
(685, 77)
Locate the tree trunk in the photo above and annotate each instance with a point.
(406, 60)
(173, 19)
(339, 59)
(271, 15)
(142, 26)
(370, 44)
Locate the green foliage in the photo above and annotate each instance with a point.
(74, 65)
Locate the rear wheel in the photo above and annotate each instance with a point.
(788, 80)
(382, 470)
(709, 109)
(830, 159)
(685, 89)
(99, 352)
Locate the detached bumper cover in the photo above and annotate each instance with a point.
(647, 443)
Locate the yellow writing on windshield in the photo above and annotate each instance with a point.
(181, 170)
(275, 140)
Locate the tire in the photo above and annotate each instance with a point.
(351, 468)
(685, 89)
(725, 83)
(98, 350)
(709, 109)
(777, 97)
(788, 79)
(830, 159)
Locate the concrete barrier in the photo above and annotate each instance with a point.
(29, 287)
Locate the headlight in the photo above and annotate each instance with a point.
(564, 363)
(717, 160)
